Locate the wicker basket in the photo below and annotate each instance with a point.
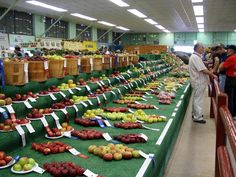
(86, 69)
(135, 59)
(106, 62)
(37, 71)
(123, 61)
(115, 62)
(56, 68)
(97, 64)
(72, 66)
(14, 73)
(85, 64)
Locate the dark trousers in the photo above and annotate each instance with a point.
(230, 89)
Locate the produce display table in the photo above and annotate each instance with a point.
(150, 56)
(160, 143)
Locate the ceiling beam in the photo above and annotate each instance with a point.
(9, 8)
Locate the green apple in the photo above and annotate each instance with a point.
(31, 161)
(135, 154)
(27, 167)
(23, 161)
(17, 167)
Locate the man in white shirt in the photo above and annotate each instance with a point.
(199, 80)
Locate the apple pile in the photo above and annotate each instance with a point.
(53, 89)
(114, 152)
(50, 147)
(37, 58)
(92, 113)
(123, 101)
(66, 127)
(144, 89)
(141, 115)
(86, 122)
(9, 125)
(19, 97)
(99, 91)
(81, 82)
(130, 138)
(4, 160)
(58, 106)
(24, 164)
(138, 92)
(93, 79)
(164, 98)
(45, 92)
(58, 169)
(5, 100)
(114, 115)
(155, 92)
(53, 132)
(116, 109)
(140, 106)
(115, 74)
(87, 134)
(106, 88)
(132, 98)
(127, 125)
(134, 94)
(68, 85)
(78, 99)
(35, 113)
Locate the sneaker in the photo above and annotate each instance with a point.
(200, 121)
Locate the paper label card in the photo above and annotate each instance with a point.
(32, 99)
(76, 109)
(55, 117)
(2, 110)
(144, 155)
(99, 101)
(90, 102)
(113, 93)
(27, 104)
(104, 96)
(106, 136)
(62, 94)
(30, 128)
(108, 124)
(144, 136)
(70, 91)
(45, 63)
(74, 151)
(44, 121)
(52, 96)
(102, 82)
(10, 109)
(64, 111)
(58, 124)
(89, 173)
(84, 104)
(38, 170)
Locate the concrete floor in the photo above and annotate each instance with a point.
(194, 152)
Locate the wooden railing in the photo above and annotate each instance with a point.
(225, 130)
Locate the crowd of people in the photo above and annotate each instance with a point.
(218, 62)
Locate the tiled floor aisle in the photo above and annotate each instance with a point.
(194, 151)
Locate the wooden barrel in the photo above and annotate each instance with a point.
(14, 72)
(106, 62)
(135, 59)
(85, 63)
(72, 66)
(56, 68)
(97, 64)
(37, 71)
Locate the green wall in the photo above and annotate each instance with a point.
(71, 30)
(38, 25)
(184, 38)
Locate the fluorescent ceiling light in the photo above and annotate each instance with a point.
(120, 3)
(37, 3)
(201, 30)
(84, 17)
(166, 31)
(200, 19)
(198, 10)
(151, 21)
(123, 28)
(106, 23)
(137, 13)
(200, 25)
(196, 1)
(160, 27)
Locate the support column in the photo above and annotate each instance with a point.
(38, 25)
(71, 30)
(94, 33)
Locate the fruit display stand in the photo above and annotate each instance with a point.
(150, 56)
(160, 143)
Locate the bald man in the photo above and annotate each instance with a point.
(199, 78)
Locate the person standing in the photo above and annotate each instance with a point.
(230, 83)
(222, 74)
(199, 80)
